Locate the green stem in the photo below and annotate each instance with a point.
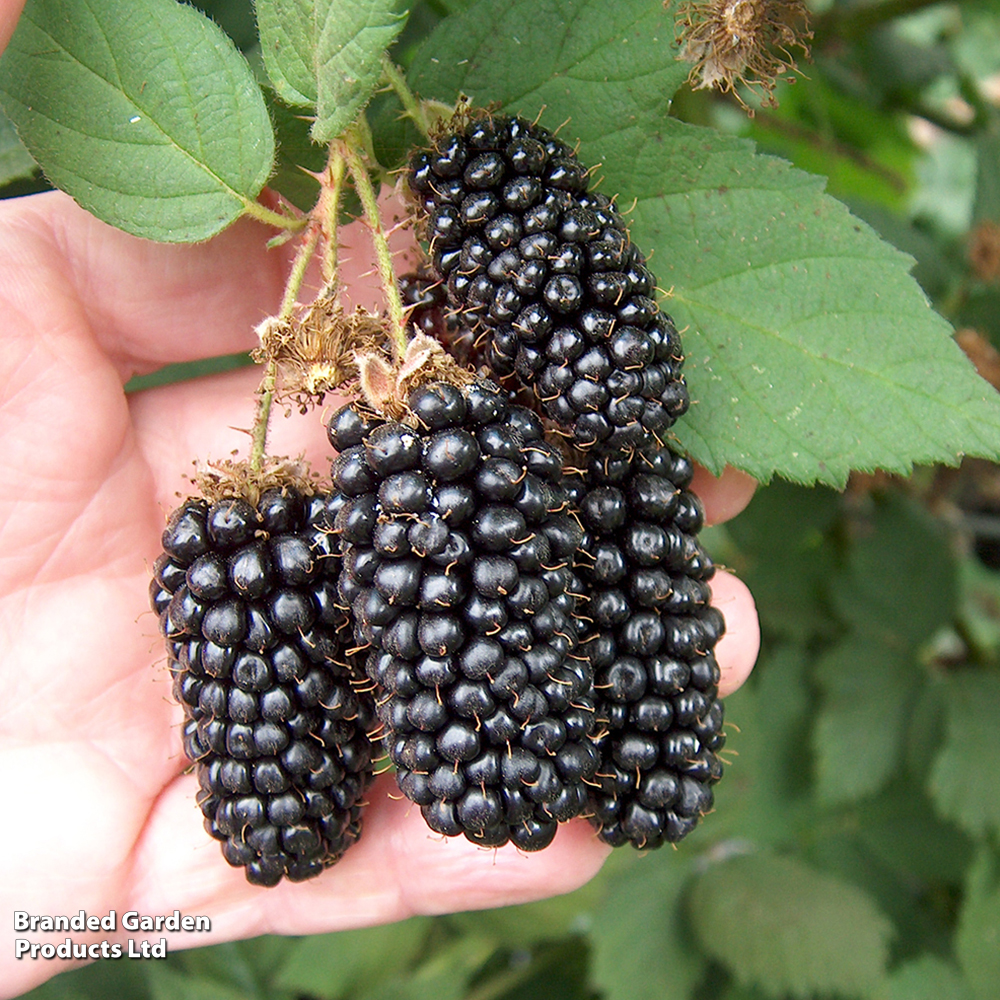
(394, 77)
(265, 397)
(351, 144)
(329, 214)
(265, 394)
(257, 211)
(298, 271)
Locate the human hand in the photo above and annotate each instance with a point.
(101, 814)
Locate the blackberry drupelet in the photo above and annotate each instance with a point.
(273, 718)
(548, 270)
(651, 649)
(426, 300)
(457, 549)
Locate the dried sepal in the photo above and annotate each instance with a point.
(315, 351)
(386, 385)
(742, 41)
(220, 480)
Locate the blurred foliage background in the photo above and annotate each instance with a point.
(855, 847)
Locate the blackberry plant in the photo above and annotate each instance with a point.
(810, 353)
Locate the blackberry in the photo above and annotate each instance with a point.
(274, 720)
(547, 269)
(651, 649)
(457, 548)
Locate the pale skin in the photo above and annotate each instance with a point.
(100, 811)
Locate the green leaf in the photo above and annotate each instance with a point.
(900, 829)
(965, 778)
(166, 983)
(122, 980)
(525, 925)
(445, 975)
(860, 730)
(327, 54)
(781, 925)
(811, 351)
(329, 966)
(296, 154)
(837, 850)
(898, 588)
(926, 978)
(349, 51)
(978, 609)
(987, 204)
(611, 76)
(288, 33)
(641, 949)
(146, 114)
(184, 370)
(763, 796)
(785, 556)
(243, 965)
(977, 939)
(15, 161)
(865, 151)
(901, 583)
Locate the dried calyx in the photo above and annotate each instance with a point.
(315, 351)
(386, 385)
(226, 479)
(742, 41)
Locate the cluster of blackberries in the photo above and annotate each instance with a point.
(529, 640)
(274, 719)
(548, 272)
(458, 552)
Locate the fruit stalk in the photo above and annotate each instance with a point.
(351, 150)
(413, 108)
(265, 394)
(328, 210)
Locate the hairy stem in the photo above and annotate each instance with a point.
(265, 392)
(351, 146)
(257, 211)
(265, 397)
(413, 108)
(329, 213)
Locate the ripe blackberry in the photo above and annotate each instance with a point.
(273, 718)
(651, 649)
(457, 546)
(548, 270)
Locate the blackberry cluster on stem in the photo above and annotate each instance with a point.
(275, 722)
(546, 268)
(457, 567)
(560, 302)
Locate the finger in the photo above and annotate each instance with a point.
(208, 419)
(399, 868)
(737, 650)
(10, 11)
(149, 304)
(723, 496)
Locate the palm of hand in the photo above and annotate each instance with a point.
(102, 815)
